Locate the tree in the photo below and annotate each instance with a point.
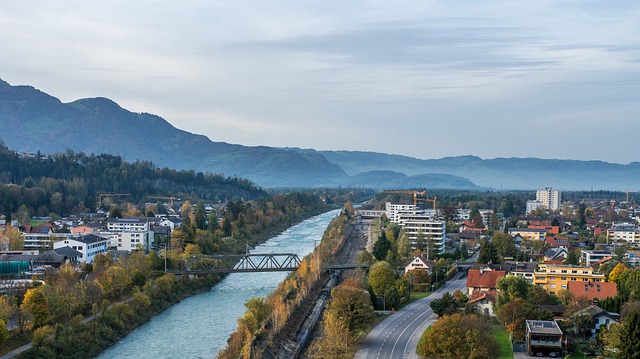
(446, 305)
(572, 258)
(404, 247)
(381, 278)
(511, 287)
(381, 247)
(459, 336)
(464, 251)
(11, 238)
(4, 333)
(353, 304)
(36, 307)
(629, 345)
(616, 273)
(201, 216)
(504, 244)
(487, 253)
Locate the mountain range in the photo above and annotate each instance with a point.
(34, 121)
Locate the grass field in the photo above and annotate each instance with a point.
(419, 295)
(502, 337)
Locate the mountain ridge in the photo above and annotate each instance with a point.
(36, 121)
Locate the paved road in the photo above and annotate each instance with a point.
(397, 336)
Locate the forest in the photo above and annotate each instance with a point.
(68, 182)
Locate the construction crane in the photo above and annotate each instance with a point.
(102, 195)
(627, 192)
(169, 198)
(433, 200)
(414, 193)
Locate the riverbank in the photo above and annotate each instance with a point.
(153, 296)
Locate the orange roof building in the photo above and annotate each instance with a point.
(591, 290)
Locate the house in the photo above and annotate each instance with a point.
(419, 262)
(592, 290)
(59, 256)
(37, 237)
(171, 222)
(86, 228)
(483, 301)
(557, 242)
(556, 255)
(483, 280)
(544, 337)
(599, 318)
(531, 234)
(89, 245)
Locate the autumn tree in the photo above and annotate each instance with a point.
(381, 278)
(36, 307)
(617, 272)
(11, 238)
(504, 244)
(459, 336)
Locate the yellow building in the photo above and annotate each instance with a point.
(554, 277)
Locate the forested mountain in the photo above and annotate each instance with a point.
(35, 121)
(68, 182)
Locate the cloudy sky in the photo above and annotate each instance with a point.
(428, 79)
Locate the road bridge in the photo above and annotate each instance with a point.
(248, 263)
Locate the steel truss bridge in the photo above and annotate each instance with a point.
(248, 263)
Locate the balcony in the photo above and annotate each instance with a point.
(546, 343)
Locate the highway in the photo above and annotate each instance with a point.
(397, 336)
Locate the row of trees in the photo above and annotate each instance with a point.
(67, 182)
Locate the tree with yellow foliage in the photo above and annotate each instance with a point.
(617, 272)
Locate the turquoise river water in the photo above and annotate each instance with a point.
(199, 326)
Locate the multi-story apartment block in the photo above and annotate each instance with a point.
(554, 277)
(132, 233)
(549, 198)
(589, 257)
(624, 232)
(135, 240)
(88, 245)
(532, 205)
(415, 222)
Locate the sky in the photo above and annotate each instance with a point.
(427, 79)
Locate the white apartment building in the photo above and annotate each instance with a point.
(550, 198)
(532, 205)
(135, 240)
(623, 233)
(392, 210)
(88, 245)
(588, 257)
(131, 233)
(416, 222)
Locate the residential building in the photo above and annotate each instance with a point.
(392, 210)
(554, 277)
(544, 337)
(549, 198)
(37, 237)
(483, 301)
(599, 318)
(129, 224)
(592, 290)
(414, 223)
(589, 257)
(420, 262)
(625, 233)
(135, 240)
(89, 245)
(533, 205)
(531, 234)
(483, 280)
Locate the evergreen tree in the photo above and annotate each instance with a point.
(572, 258)
(629, 334)
(464, 252)
(487, 253)
(381, 247)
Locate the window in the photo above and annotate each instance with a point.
(564, 271)
(563, 278)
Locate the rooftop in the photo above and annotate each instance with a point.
(543, 327)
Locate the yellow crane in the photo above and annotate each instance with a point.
(432, 200)
(414, 193)
(169, 198)
(102, 195)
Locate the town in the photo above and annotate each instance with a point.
(558, 279)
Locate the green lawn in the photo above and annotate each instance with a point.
(577, 354)
(419, 295)
(502, 337)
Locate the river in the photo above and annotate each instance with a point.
(199, 326)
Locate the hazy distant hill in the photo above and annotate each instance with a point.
(35, 121)
(509, 173)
